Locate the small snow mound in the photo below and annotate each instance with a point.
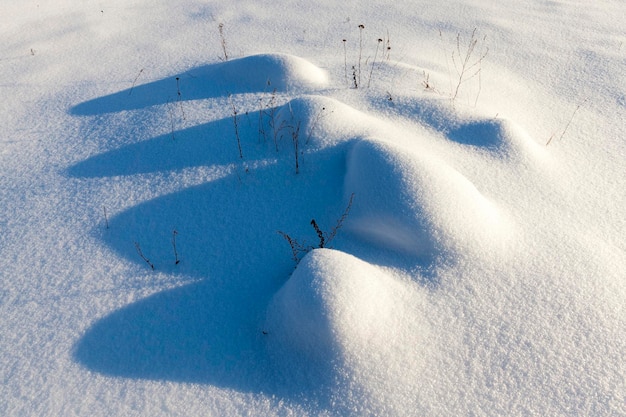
(417, 204)
(333, 306)
(325, 121)
(341, 321)
(498, 135)
(522, 142)
(268, 72)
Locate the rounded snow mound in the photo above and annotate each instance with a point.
(343, 322)
(268, 72)
(418, 204)
(333, 306)
(324, 121)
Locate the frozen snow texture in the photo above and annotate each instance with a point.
(479, 272)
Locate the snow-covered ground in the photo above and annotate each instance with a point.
(162, 162)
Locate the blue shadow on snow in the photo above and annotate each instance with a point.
(257, 73)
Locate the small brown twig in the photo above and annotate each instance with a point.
(180, 96)
(361, 27)
(568, 123)
(236, 124)
(298, 248)
(134, 82)
(467, 68)
(374, 62)
(345, 60)
(174, 233)
(340, 221)
(106, 219)
(220, 27)
(143, 256)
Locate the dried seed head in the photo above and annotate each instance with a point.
(361, 26)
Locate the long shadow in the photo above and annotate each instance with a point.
(251, 74)
(199, 333)
(201, 145)
(210, 331)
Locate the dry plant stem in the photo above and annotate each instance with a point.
(134, 82)
(324, 238)
(171, 113)
(345, 61)
(276, 127)
(143, 256)
(320, 234)
(333, 232)
(314, 124)
(388, 47)
(295, 133)
(426, 82)
(220, 27)
(269, 110)
(465, 69)
(361, 27)
(296, 247)
(180, 96)
(480, 84)
(106, 219)
(261, 126)
(445, 52)
(374, 63)
(174, 233)
(568, 123)
(236, 124)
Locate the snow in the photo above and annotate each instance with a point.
(149, 182)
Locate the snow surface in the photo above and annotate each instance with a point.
(478, 253)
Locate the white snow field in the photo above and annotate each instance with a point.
(290, 208)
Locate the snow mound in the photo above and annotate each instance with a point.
(500, 136)
(332, 303)
(251, 74)
(417, 204)
(267, 72)
(343, 320)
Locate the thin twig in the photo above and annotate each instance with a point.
(340, 221)
(142, 256)
(314, 124)
(295, 133)
(220, 27)
(464, 67)
(180, 96)
(320, 234)
(174, 233)
(374, 62)
(361, 27)
(106, 219)
(236, 123)
(345, 61)
(568, 123)
(171, 113)
(134, 82)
